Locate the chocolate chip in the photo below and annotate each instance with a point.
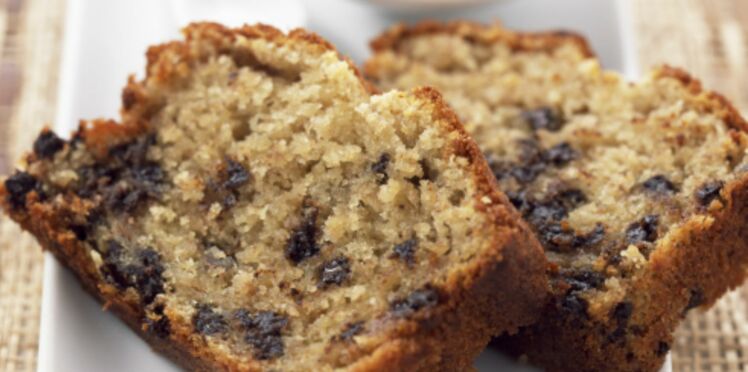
(148, 176)
(697, 299)
(380, 168)
(80, 231)
(419, 299)
(47, 144)
(498, 167)
(519, 200)
(659, 184)
(708, 192)
(622, 312)
(530, 151)
(208, 322)
(406, 251)
(160, 327)
(124, 197)
(142, 272)
(263, 332)
(584, 280)
(132, 153)
(617, 335)
(126, 179)
(556, 237)
(350, 330)
(335, 271)
(302, 243)
(643, 230)
(114, 267)
(543, 118)
(236, 175)
(527, 173)
(572, 198)
(547, 211)
(574, 305)
(662, 348)
(149, 281)
(592, 238)
(18, 186)
(560, 154)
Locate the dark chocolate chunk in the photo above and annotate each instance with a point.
(659, 184)
(499, 168)
(302, 243)
(697, 299)
(557, 238)
(229, 200)
(148, 176)
(708, 192)
(520, 201)
(208, 322)
(547, 211)
(560, 154)
(144, 273)
(124, 197)
(574, 305)
(149, 281)
(530, 151)
(18, 185)
(406, 251)
(622, 312)
(617, 335)
(380, 168)
(591, 238)
(47, 144)
(643, 230)
(236, 175)
(114, 268)
(419, 299)
(263, 332)
(585, 280)
(543, 118)
(527, 173)
(132, 153)
(572, 198)
(335, 271)
(92, 178)
(350, 330)
(80, 231)
(662, 348)
(160, 327)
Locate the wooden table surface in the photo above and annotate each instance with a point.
(708, 38)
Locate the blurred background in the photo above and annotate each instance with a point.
(707, 37)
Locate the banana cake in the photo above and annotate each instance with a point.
(257, 208)
(637, 191)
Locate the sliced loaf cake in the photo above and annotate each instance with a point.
(258, 209)
(638, 192)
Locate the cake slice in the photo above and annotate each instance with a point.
(258, 209)
(638, 192)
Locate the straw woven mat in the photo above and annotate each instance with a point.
(709, 38)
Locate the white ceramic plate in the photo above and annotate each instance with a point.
(106, 40)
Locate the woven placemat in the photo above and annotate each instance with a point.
(707, 37)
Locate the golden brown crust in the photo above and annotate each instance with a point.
(714, 101)
(445, 337)
(476, 32)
